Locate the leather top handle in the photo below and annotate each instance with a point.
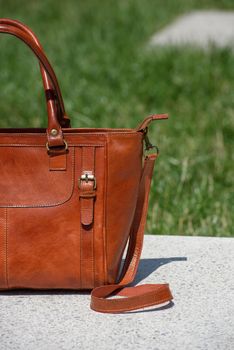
(49, 91)
(54, 130)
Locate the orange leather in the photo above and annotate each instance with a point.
(53, 119)
(71, 201)
(149, 119)
(140, 296)
(49, 91)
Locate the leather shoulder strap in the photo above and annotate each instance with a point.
(133, 298)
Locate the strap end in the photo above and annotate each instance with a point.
(151, 118)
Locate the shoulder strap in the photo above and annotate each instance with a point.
(133, 298)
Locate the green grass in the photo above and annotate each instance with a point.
(109, 78)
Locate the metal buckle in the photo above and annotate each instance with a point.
(86, 176)
(148, 145)
(147, 151)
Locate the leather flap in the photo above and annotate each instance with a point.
(27, 181)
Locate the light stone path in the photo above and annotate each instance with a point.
(201, 274)
(199, 28)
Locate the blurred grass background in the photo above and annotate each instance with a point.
(109, 79)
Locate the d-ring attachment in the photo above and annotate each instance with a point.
(65, 146)
(148, 145)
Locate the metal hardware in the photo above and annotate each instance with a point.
(86, 176)
(153, 147)
(54, 132)
(49, 148)
(148, 145)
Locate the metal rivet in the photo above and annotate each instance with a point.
(54, 132)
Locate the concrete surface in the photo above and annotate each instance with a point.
(199, 28)
(201, 274)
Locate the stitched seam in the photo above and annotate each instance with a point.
(130, 135)
(47, 204)
(128, 132)
(3, 246)
(6, 249)
(90, 233)
(81, 228)
(38, 145)
(105, 246)
(103, 262)
(93, 226)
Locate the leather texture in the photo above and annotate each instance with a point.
(72, 200)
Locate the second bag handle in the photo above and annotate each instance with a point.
(52, 99)
(54, 138)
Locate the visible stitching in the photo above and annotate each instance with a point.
(47, 204)
(33, 145)
(3, 245)
(132, 132)
(6, 249)
(69, 144)
(81, 229)
(91, 230)
(105, 246)
(93, 226)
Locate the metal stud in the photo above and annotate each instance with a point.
(54, 132)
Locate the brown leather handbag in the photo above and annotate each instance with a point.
(72, 200)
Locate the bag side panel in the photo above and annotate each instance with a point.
(124, 170)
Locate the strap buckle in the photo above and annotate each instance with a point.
(87, 176)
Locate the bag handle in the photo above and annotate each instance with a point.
(54, 131)
(143, 295)
(51, 96)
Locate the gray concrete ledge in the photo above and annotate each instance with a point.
(201, 274)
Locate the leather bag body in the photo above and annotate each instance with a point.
(71, 200)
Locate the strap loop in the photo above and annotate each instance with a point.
(146, 122)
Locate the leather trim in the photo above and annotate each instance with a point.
(86, 219)
(6, 247)
(104, 222)
(3, 249)
(38, 145)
